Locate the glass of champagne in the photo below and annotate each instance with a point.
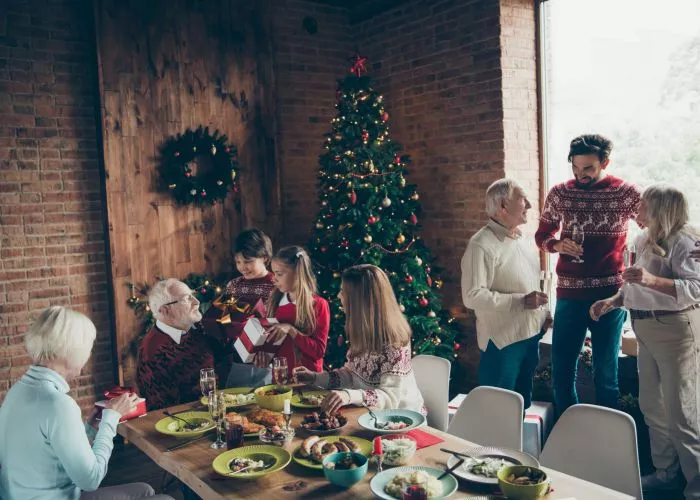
(217, 409)
(577, 237)
(545, 283)
(279, 371)
(629, 255)
(207, 381)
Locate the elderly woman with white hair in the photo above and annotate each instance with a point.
(662, 293)
(500, 282)
(44, 447)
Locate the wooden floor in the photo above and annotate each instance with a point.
(128, 465)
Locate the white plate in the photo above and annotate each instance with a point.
(380, 480)
(461, 471)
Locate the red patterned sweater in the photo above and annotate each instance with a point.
(168, 373)
(603, 211)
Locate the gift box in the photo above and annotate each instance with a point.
(454, 405)
(252, 339)
(629, 343)
(539, 418)
(118, 391)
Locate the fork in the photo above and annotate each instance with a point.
(188, 425)
(371, 414)
(451, 469)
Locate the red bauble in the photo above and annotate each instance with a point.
(430, 281)
(345, 243)
(408, 279)
(365, 135)
(456, 346)
(336, 158)
(427, 269)
(372, 219)
(324, 249)
(341, 340)
(188, 174)
(385, 116)
(397, 159)
(423, 302)
(353, 197)
(202, 290)
(413, 219)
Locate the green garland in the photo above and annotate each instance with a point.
(198, 167)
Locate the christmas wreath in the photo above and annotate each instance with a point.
(198, 167)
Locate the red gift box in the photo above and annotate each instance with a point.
(118, 391)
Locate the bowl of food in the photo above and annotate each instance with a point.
(272, 397)
(276, 435)
(522, 482)
(398, 448)
(345, 469)
(323, 423)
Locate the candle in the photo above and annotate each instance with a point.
(287, 406)
(378, 446)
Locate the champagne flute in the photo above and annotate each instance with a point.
(545, 283)
(577, 236)
(217, 409)
(207, 381)
(279, 371)
(629, 255)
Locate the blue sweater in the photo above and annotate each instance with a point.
(44, 448)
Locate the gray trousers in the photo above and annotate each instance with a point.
(130, 491)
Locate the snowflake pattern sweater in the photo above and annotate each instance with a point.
(603, 211)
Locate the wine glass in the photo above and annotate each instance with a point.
(207, 381)
(279, 371)
(217, 409)
(629, 255)
(577, 237)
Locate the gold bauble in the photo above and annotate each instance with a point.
(368, 238)
(386, 202)
(415, 196)
(400, 239)
(319, 225)
(336, 275)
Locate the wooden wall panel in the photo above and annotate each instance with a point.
(165, 66)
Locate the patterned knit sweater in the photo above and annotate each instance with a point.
(603, 211)
(168, 373)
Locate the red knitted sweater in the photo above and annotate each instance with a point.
(603, 211)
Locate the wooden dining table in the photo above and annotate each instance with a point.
(192, 464)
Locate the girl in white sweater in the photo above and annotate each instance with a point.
(378, 372)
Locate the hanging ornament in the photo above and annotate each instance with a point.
(408, 279)
(341, 340)
(213, 150)
(233, 175)
(400, 239)
(456, 346)
(319, 225)
(324, 203)
(194, 149)
(193, 192)
(324, 249)
(402, 181)
(423, 302)
(176, 154)
(371, 167)
(415, 196)
(385, 116)
(204, 193)
(353, 197)
(188, 174)
(397, 159)
(386, 202)
(338, 137)
(368, 238)
(336, 157)
(172, 186)
(431, 314)
(419, 261)
(219, 182)
(365, 136)
(372, 219)
(429, 280)
(438, 283)
(427, 269)
(336, 275)
(402, 308)
(414, 219)
(202, 290)
(345, 243)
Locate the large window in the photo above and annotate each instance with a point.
(630, 70)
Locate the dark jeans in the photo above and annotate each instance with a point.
(571, 321)
(512, 367)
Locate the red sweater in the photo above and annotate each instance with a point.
(603, 211)
(311, 348)
(168, 373)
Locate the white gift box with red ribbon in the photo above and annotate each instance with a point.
(253, 338)
(538, 422)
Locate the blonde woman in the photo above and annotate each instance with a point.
(662, 293)
(378, 372)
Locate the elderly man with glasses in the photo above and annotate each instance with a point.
(172, 352)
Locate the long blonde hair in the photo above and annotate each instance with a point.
(297, 259)
(667, 214)
(373, 319)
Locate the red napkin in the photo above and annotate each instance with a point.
(424, 439)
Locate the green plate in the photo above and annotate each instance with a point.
(232, 390)
(365, 449)
(264, 452)
(297, 403)
(164, 425)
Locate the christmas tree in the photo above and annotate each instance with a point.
(369, 214)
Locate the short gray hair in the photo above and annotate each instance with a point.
(499, 193)
(60, 333)
(160, 295)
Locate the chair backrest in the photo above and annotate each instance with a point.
(433, 378)
(490, 416)
(597, 444)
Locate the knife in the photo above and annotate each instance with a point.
(451, 469)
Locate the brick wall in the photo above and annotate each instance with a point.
(52, 242)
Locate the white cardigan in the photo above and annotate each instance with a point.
(380, 380)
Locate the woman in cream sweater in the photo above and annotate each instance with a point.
(378, 372)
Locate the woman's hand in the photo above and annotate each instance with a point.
(278, 331)
(695, 254)
(600, 308)
(303, 375)
(124, 404)
(335, 401)
(639, 276)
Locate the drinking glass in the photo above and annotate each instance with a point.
(545, 283)
(217, 410)
(577, 237)
(207, 381)
(629, 255)
(279, 371)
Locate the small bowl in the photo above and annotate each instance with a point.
(273, 402)
(346, 477)
(400, 455)
(288, 436)
(522, 491)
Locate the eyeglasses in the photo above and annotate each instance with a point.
(185, 298)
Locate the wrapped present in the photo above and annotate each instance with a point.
(629, 343)
(118, 391)
(252, 339)
(539, 418)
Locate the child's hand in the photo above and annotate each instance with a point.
(279, 331)
(303, 375)
(335, 401)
